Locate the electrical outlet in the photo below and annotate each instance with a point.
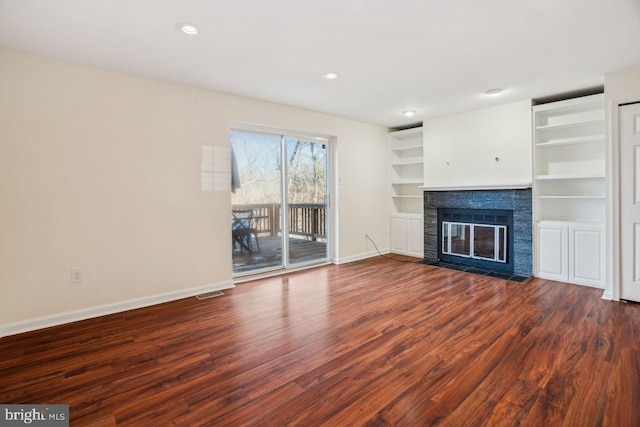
(77, 275)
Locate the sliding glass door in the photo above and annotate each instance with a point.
(279, 201)
(306, 199)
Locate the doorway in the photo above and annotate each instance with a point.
(280, 201)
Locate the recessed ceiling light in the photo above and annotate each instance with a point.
(188, 28)
(494, 92)
(409, 113)
(331, 76)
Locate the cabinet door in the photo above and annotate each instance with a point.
(586, 255)
(399, 234)
(551, 254)
(415, 240)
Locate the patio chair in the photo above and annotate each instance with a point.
(242, 229)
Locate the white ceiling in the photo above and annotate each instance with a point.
(435, 57)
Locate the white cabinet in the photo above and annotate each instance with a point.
(415, 238)
(586, 255)
(569, 190)
(399, 230)
(571, 252)
(407, 234)
(552, 255)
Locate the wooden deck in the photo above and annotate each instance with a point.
(270, 253)
(375, 342)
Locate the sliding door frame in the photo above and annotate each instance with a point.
(284, 217)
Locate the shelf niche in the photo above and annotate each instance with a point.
(569, 160)
(406, 160)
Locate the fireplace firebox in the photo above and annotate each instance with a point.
(481, 238)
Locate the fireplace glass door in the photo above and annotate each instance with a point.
(457, 239)
(478, 241)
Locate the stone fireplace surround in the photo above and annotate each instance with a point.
(517, 200)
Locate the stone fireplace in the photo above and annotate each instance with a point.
(485, 229)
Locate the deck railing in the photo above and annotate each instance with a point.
(306, 220)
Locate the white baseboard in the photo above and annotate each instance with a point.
(607, 294)
(103, 310)
(359, 257)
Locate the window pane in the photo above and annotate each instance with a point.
(307, 191)
(502, 250)
(460, 239)
(484, 242)
(255, 202)
(445, 237)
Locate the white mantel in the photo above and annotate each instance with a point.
(479, 187)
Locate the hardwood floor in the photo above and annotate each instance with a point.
(374, 343)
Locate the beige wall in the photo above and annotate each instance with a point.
(461, 148)
(100, 170)
(620, 87)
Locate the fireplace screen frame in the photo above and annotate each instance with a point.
(498, 256)
(480, 217)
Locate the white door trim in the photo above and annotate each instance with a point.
(613, 230)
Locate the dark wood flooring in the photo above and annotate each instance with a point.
(376, 342)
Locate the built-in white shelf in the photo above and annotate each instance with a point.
(570, 176)
(406, 170)
(588, 139)
(583, 221)
(407, 148)
(577, 123)
(570, 197)
(411, 181)
(408, 161)
(569, 190)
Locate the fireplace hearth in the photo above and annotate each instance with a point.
(484, 230)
